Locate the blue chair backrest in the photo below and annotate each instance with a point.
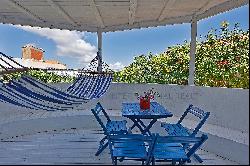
(97, 112)
(202, 115)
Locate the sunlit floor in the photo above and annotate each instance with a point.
(71, 147)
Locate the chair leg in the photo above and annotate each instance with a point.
(195, 155)
(101, 148)
(114, 161)
(121, 159)
(103, 140)
(153, 161)
(181, 162)
(173, 162)
(198, 158)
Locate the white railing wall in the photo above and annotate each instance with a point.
(229, 107)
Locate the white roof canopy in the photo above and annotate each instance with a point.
(110, 15)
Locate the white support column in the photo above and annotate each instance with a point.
(192, 52)
(132, 11)
(99, 53)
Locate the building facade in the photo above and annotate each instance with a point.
(33, 57)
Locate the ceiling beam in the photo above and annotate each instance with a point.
(149, 23)
(24, 10)
(60, 10)
(97, 14)
(203, 8)
(167, 4)
(132, 11)
(222, 7)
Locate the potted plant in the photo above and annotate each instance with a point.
(145, 99)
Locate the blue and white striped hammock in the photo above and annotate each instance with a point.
(31, 93)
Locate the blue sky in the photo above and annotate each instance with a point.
(119, 48)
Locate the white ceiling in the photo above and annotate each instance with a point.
(110, 15)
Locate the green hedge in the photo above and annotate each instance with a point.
(47, 77)
(222, 60)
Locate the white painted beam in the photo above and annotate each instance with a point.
(192, 52)
(223, 7)
(24, 10)
(167, 4)
(204, 7)
(97, 14)
(60, 10)
(99, 53)
(132, 11)
(146, 24)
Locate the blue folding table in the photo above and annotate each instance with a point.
(136, 114)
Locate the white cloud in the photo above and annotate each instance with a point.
(116, 66)
(68, 43)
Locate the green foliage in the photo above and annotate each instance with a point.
(50, 77)
(8, 77)
(222, 60)
(47, 77)
(163, 68)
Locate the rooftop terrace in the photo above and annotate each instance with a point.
(68, 146)
(63, 137)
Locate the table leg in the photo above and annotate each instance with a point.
(137, 125)
(139, 120)
(145, 127)
(149, 126)
(141, 126)
(132, 126)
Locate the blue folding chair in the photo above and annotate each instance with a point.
(172, 148)
(152, 149)
(109, 127)
(135, 147)
(179, 130)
